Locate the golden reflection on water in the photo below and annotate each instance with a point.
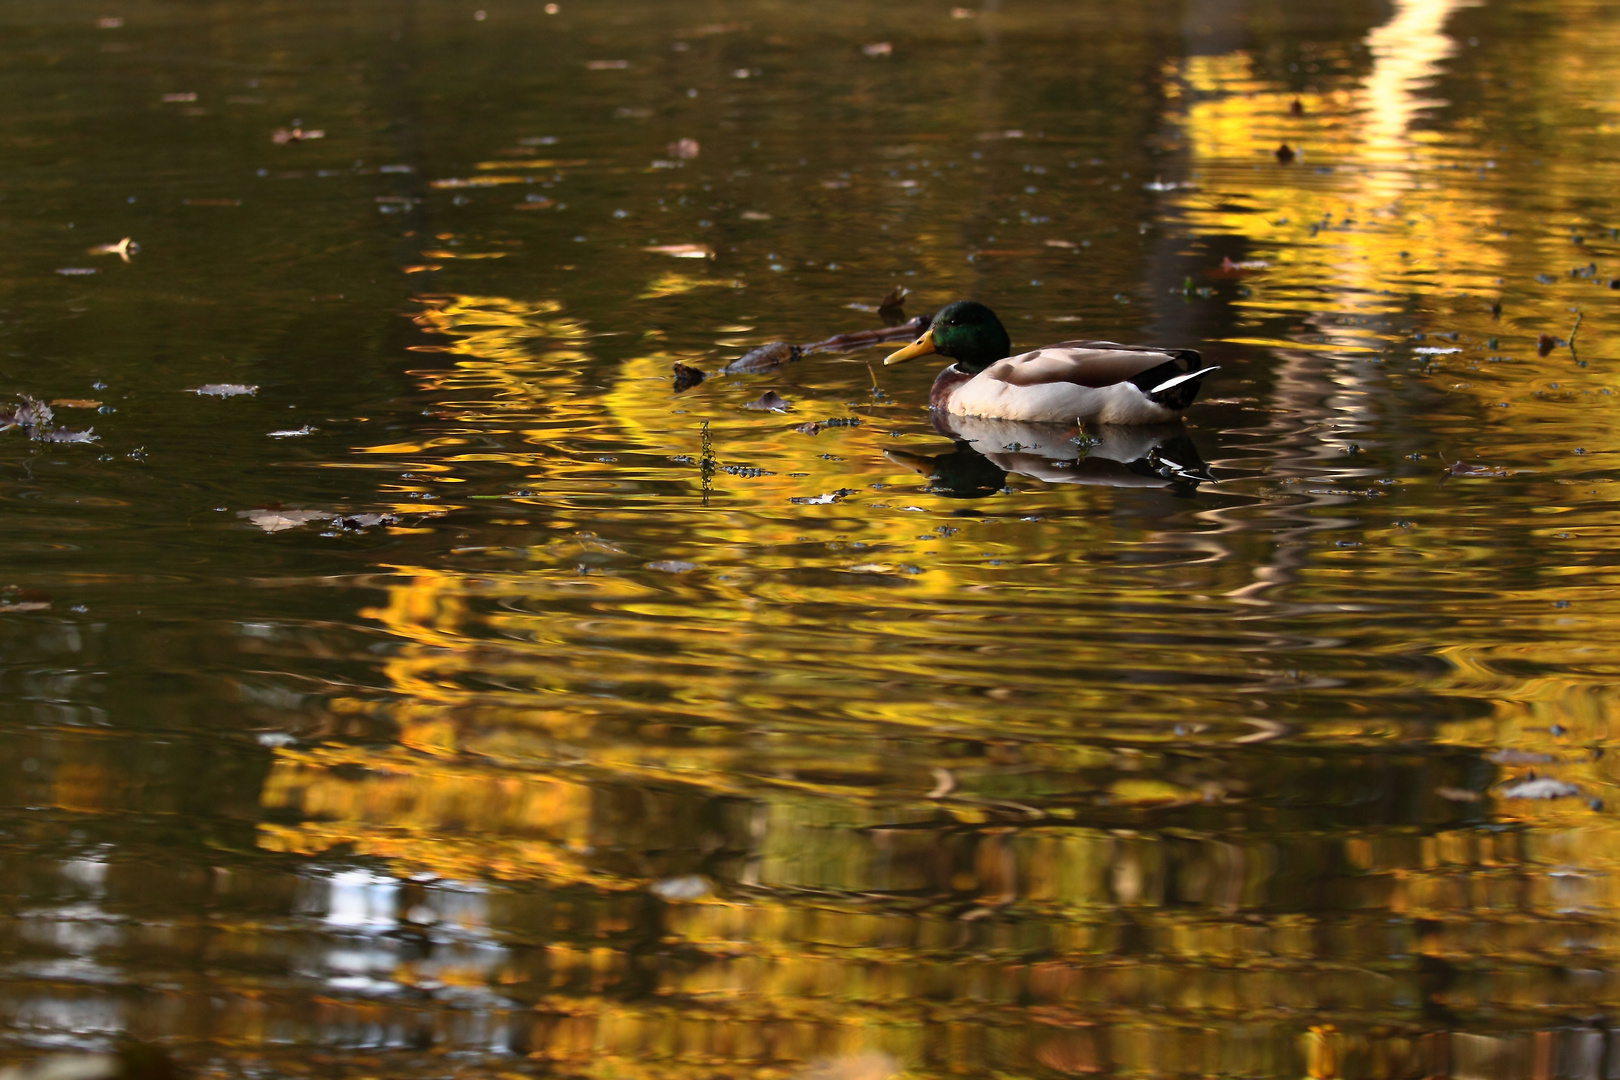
(687, 741)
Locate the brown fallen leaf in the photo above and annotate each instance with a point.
(894, 299)
(297, 134)
(1297, 108)
(769, 401)
(606, 65)
(1545, 344)
(812, 428)
(687, 377)
(1453, 794)
(1462, 468)
(766, 357)
(279, 520)
(75, 403)
(1285, 154)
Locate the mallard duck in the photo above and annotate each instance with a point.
(1070, 382)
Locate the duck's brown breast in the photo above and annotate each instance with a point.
(944, 384)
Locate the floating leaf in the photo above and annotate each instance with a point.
(606, 65)
(123, 249)
(769, 401)
(823, 500)
(767, 357)
(292, 433)
(894, 298)
(812, 428)
(682, 251)
(684, 149)
(297, 134)
(278, 520)
(75, 403)
(1285, 154)
(878, 48)
(686, 377)
(355, 522)
(32, 413)
(1543, 788)
(63, 435)
(672, 566)
(223, 389)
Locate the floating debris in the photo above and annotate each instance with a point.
(769, 401)
(292, 433)
(355, 522)
(823, 500)
(278, 519)
(812, 428)
(878, 48)
(123, 249)
(685, 887)
(682, 251)
(686, 376)
(1462, 468)
(32, 413)
(296, 134)
(767, 357)
(672, 566)
(77, 271)
(223, 389)
(1286, 154)
(63, 435)
(1542, 788)
(684, 149)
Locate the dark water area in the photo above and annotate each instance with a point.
(399, 678)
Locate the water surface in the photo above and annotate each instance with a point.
(464, 701)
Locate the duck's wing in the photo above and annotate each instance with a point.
(1095, 364)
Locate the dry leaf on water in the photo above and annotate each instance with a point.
(1544, 788)
(769, 401)
(681, 251)
(766, 357)
(223, 389)
(123, 249)
(686, 376)
(278, 520)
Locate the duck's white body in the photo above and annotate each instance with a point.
(1074, 381)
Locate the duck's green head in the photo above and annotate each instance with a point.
(965, 331)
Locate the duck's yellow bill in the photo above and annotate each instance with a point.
(921, 347)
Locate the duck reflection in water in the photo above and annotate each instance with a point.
(987, 451)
